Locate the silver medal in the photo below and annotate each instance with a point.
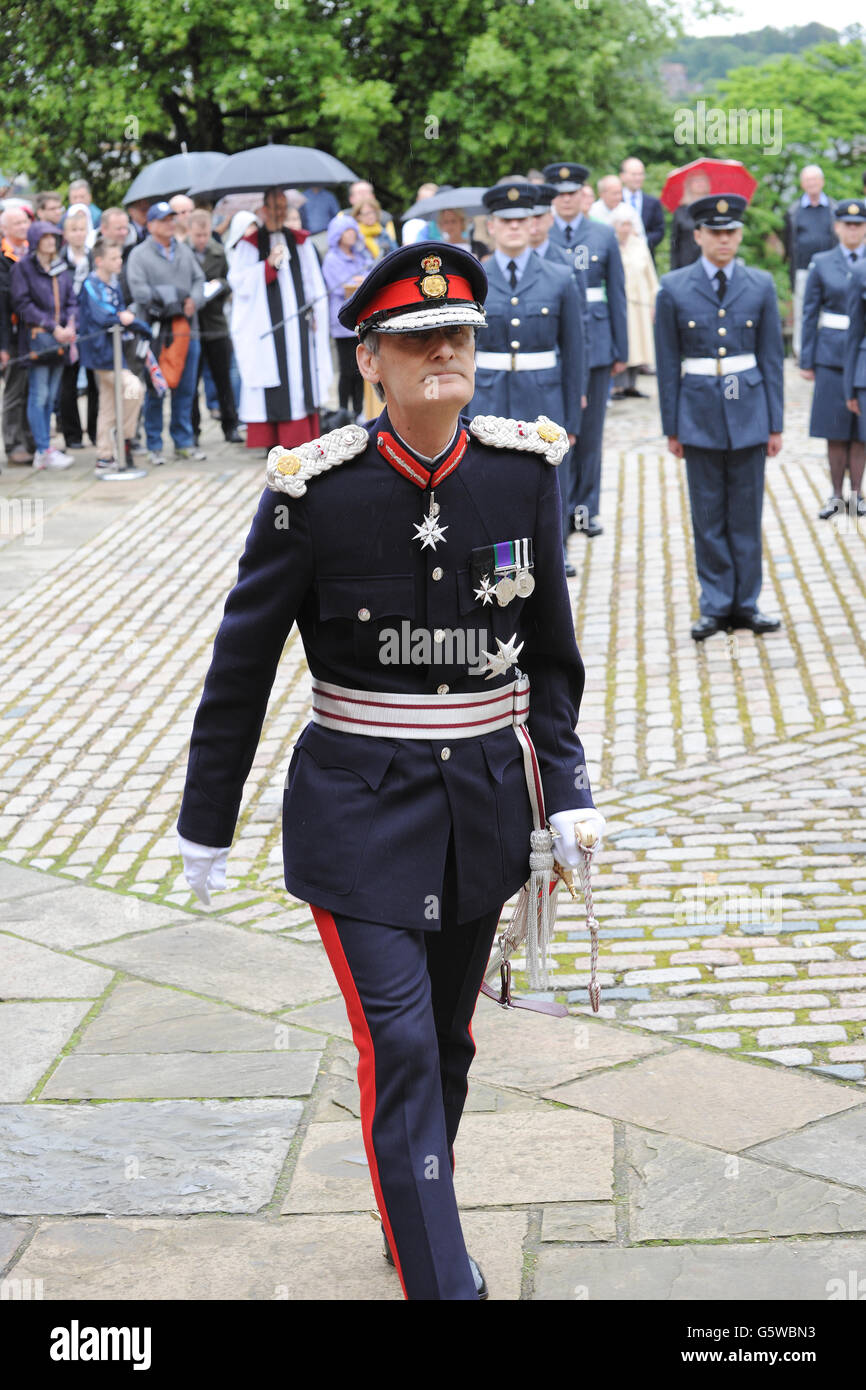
(505, 591)
(524, 584)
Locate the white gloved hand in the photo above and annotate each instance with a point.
(204, 867)
(565, 848)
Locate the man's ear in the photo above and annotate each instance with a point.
(368, 363)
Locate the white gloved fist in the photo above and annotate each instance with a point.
(565, 848)
(204, 867)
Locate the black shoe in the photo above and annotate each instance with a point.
(75, 444)
(633, 391)
(570, 571)
(480, 1282)
(755, 622)
(592, 528)
(831, 507)
(234, 437)
(618, 395)
(706, 626)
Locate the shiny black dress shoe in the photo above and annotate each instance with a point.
(755, 622)
(831, 507)
(633, 391)
(234, 438)
(480, 1282)
(570, 571)
(706, 626)
(590, 528)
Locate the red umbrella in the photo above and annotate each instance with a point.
(725, 175)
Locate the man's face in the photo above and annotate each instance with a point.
(812, 182)
(79, 193)
(199, 236)
(567, 205)
(422, 370)
(719, 245)
(138, 211)
(276, 207)
(633, 174)
(162, 229)
(359, 190)
(509, 234)
(697, 187)
(851, 234)
(611, 195)
(115, 228)
(451, 224)
(52, 211)
(183, 206)
(539, 229)
(16, 222)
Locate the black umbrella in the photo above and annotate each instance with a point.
(173, 175)
(468, 200)
(272, 166)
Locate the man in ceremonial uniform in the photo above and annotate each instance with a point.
(598, 264)
(412, 793)
(719, 360)
(530, 357)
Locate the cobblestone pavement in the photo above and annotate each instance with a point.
(171, 1061)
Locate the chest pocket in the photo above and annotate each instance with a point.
(743, 329)
(359, 609)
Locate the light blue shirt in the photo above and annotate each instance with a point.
(562, 224)
(712, 270)
(520, 262)
(633, 199)
(859, 251)
(806, 201)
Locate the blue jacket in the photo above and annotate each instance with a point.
(827, 289)
(98, 307)
(598, 266)
(367, 820)
(727, 410)
(855, 338)
(541, 314)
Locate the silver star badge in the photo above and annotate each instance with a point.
(507, 655)
(429, 532)
(485, 593)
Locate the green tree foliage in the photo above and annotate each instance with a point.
(707, 60)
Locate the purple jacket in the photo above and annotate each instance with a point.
(338, 268)
(31, 288)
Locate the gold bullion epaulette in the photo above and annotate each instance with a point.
(289, 470)
(540, 436)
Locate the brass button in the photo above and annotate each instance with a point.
(514, 299)
(722, 351)
(442, 690)
(545, 310)
(593, 258)
(721, 313)
(439, 635)
(364, 614)
(749, 323)
(515, 322)
(515, 345)
(445, 754)
(722, 332)
(437, 573)
(691, 323)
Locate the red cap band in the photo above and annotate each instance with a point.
(405, 294)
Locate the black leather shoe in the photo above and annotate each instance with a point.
(570, 571)
(234, 438)
(480, 1282)
(633, 391)
(755, 622)
(705, 627)
(831, 507)
(593, 528)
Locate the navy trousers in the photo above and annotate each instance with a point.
(586, 471)
(726, 493)
(410, 997)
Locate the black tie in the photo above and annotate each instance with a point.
(512, 274)
(853, 255)
(568, 231)
(721, 284)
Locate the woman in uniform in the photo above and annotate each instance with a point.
(822, 356)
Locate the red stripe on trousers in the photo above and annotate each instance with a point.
(366, 1059)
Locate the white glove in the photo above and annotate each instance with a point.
(565, 849)
(204, 867)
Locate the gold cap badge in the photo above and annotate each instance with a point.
(853, 209)
(433, 286)
(431, 263)
(289, 464)
(563, 173)
(512, 195)
(721, 205)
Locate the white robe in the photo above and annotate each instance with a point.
(256, 355)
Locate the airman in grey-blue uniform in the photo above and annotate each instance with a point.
(719, 360)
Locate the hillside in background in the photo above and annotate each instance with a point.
(699, 63)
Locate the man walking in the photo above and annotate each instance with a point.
(719, 358)
(808, 230)
(413, 792)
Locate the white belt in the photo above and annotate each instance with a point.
(827, 320)
(401, 715)
(718, 366)
(595, 294)
(516, 361)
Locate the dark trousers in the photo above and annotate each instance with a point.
(16, 430)
(217, 352)
(410, 997)
(351, 386)
(70, 420)
(726, 493)
(586, 476)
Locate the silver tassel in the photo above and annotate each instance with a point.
(539, 925)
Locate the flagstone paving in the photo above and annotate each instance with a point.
(179, 1107)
